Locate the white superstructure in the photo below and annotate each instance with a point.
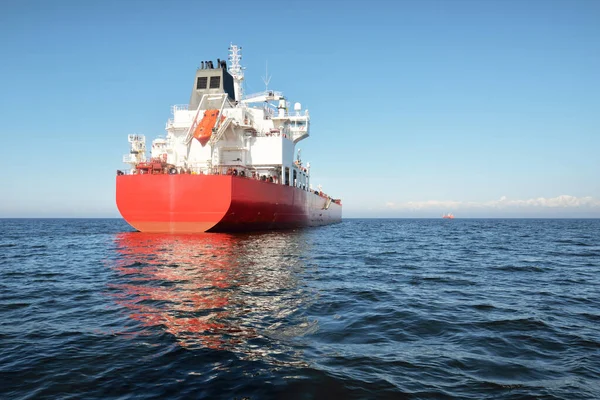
(254, 135)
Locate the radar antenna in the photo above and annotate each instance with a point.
(236, 70)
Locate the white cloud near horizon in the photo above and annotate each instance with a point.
(563, 201)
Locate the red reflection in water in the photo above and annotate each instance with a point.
(212, 290)
(183, 283)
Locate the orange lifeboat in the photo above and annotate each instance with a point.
(203, 130)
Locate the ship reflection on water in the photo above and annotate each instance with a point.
(220, 291)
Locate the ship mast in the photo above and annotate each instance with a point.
(236, 70)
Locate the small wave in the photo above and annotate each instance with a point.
(575, 254)
(584, 343)
(372, 295)
(519, 324)
(48, 274)
(520, 268)
(501, 385)
(417, 280)
(590, 316)
(486, 307)
(14, 306)
(574, 242)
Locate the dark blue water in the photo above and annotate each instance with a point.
(469, 309)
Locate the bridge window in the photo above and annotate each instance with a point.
(202, 82)
(215, 82)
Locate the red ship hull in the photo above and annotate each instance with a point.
(218, 203)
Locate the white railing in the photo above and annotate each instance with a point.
(270, 133)
(179, 107)
(272, 111)
(300, 128)
(298, 114)
(179, 123)
(263, 93)
(135, 137)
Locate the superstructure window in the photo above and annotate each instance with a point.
(202, 81)
(215, 82)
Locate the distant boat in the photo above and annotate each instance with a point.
(448, 216)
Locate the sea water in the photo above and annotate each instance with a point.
(369, 308)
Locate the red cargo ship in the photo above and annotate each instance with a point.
(226, 164)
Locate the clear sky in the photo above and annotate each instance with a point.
(480, 108)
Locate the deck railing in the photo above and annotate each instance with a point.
(158, 167)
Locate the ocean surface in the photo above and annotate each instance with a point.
(366, 309)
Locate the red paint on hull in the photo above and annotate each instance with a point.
(218, 203)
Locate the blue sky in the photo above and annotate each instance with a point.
(481, 108)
